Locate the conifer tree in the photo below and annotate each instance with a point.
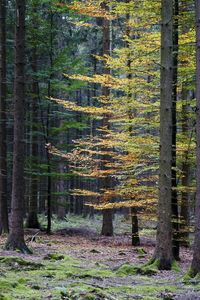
(3, 94)
(15, 239)
(195, 267)
(175, 215)
(107, 226)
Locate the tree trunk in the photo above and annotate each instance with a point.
(175, 214)
(32, 219)
(61, 187)
(107, 226)
(195, 267)
(49, 179)
(163, 252)
(3, 147)
(135, 227)
(185, 182)
(131, 114)
(16, 236)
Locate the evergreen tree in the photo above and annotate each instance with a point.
(3, 118)
(195, 267)
(15, 239)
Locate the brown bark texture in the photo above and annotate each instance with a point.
(32, 219)
(134, 216)
(187, 131)
(16, 236)
(107, 226)
(163, 251)
(3, 146)
(195, 267)
(175, 213)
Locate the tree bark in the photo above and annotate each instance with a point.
(163, 252)
(32, 219)
(175, 214)
(135, 227)
(107, 226)
(195, 267)
(186, 179)
(3, 93)
(134, 218)
(49, 178)
(16, 236)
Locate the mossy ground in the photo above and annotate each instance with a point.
(72, 278)
(84, 268)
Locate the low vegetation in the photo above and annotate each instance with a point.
(65, 266)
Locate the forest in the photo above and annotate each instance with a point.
(100, 149)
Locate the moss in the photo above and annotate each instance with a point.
(25, 292)
(96, 273)
(23, 280)
(153, 266)
(6, 285)
(149, 268)
(70, 279)
(16, 262)
(142, 291)
(188, 276)
(146, 269)
(4, 297)
(85, 292)
(54, 256)
(141, 251)
(175, 266)
(126, 270)
(36, 287)
(191, 278)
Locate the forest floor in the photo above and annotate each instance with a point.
(75, 262)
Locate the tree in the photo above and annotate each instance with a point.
(107, 226)
(3, 148)
(15, 239)
(175, 215)
(163, 252)
(32, 218)
(195, 267)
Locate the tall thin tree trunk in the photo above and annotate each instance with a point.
(134, 218)
(163, 252)
(175, 214)
(32, 219)
(107, 226)
(135, 227)
(195, 267)
(187, 132)
(49, 179)
(3, 147)
(16, 235)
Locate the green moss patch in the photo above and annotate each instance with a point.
(54, 256)
(128, 270)
(190, 278)
(85, 292)
(16, 262)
